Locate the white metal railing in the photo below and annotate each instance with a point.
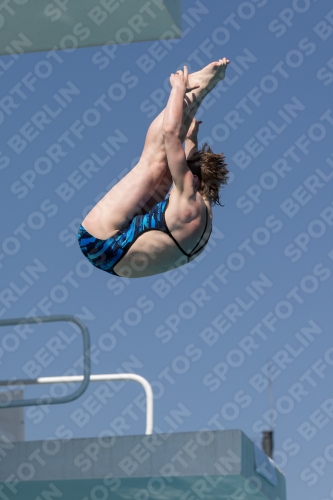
(84, 379)
(97, 378)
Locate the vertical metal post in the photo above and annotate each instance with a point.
(268, 443)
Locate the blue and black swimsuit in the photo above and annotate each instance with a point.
(105, 254)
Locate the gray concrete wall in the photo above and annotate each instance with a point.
(35, 26)
(180, 459)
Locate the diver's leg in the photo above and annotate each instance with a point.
(118, 207)
(207, 78)
(150, 179)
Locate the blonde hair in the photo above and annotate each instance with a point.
(211, 171)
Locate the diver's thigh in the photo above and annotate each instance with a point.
(124, 200)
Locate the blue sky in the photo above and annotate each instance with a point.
(261, 293)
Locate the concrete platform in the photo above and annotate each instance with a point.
(30, 26)
(182, 466)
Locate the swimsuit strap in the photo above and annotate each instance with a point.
(178, 245)
(193, 252)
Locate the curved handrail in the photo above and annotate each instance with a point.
(86, 359)
(99, 378)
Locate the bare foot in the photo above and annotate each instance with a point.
(209, 76)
